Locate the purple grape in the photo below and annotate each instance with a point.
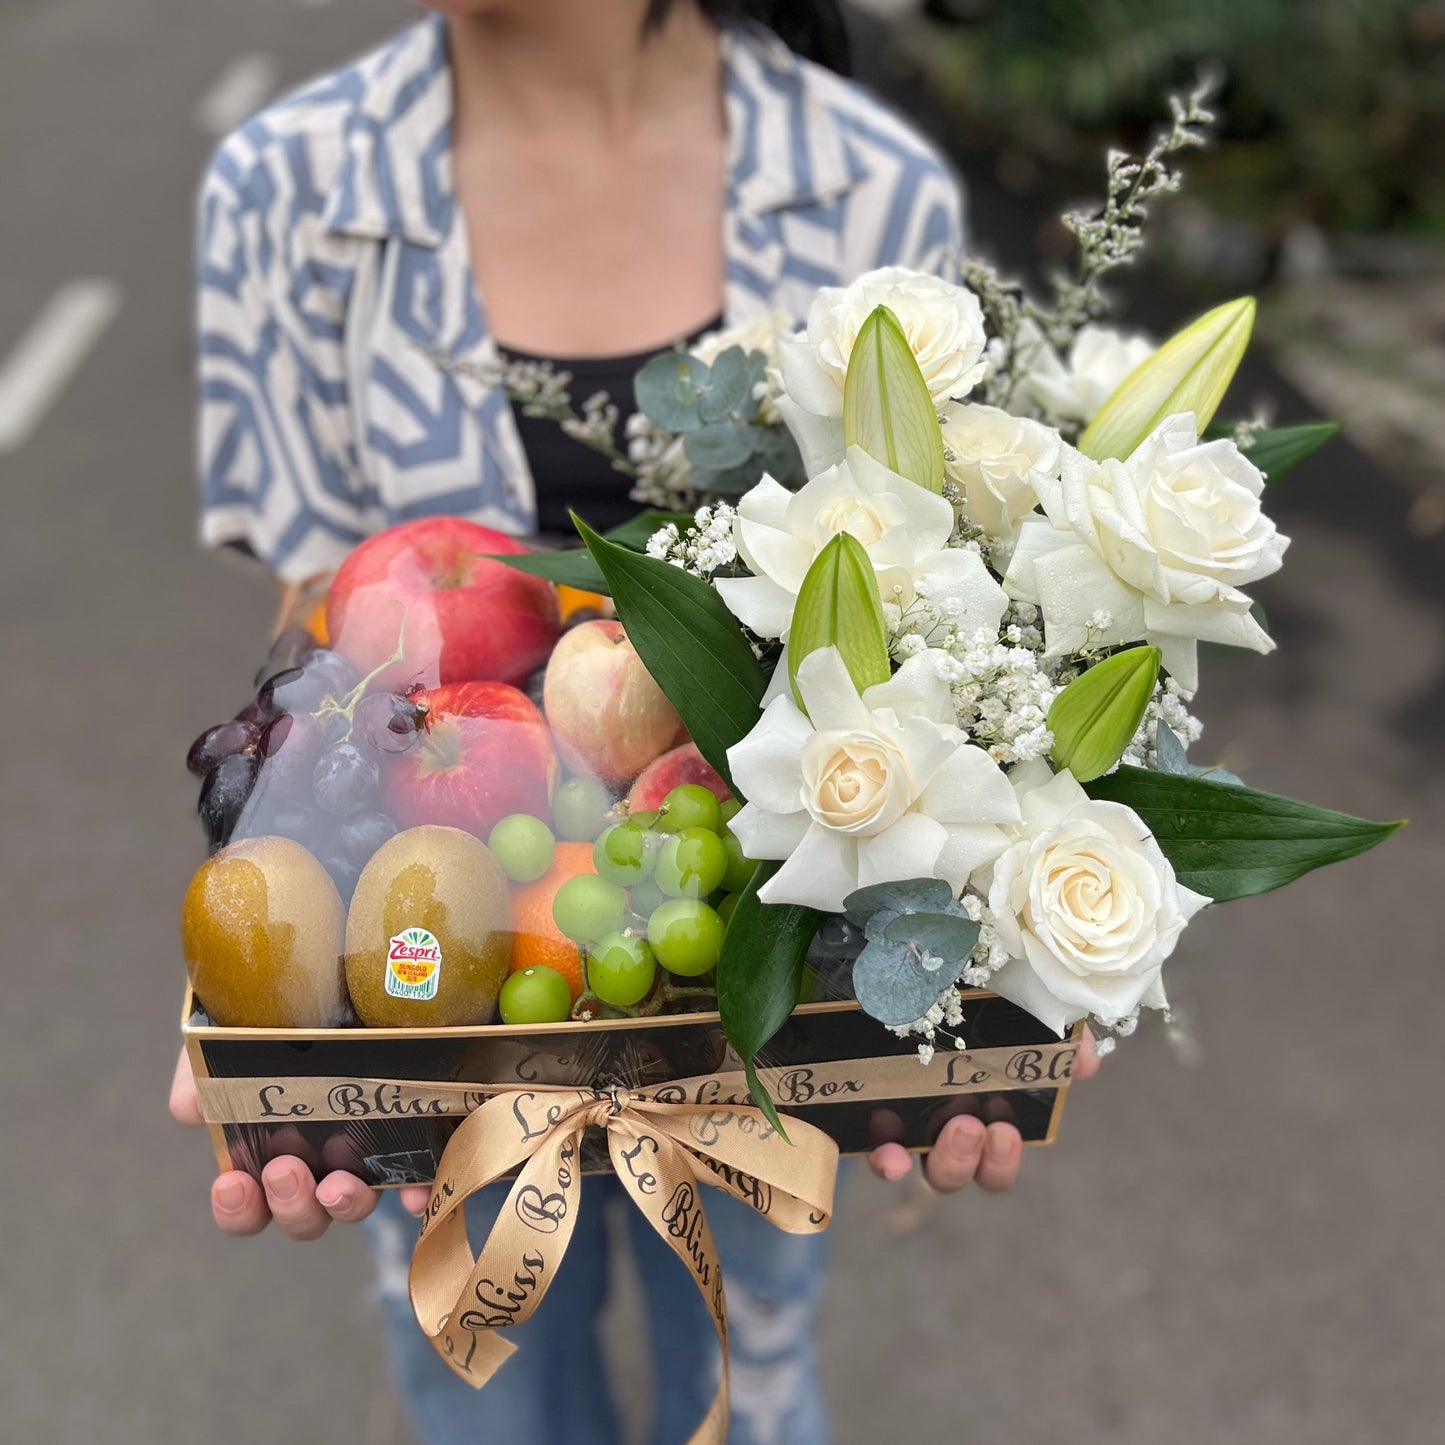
(345, 782)
(344, 874)
(290, 648)
(291, 746)
(220, 742)
(252, 713)
(333, 670)
(533, 688)
(296, 821)
(224, 795)
(358, 838)
(388, 723)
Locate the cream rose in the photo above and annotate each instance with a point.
(943, 323)
(1161, 542)
(996, 460)
(1085, 902)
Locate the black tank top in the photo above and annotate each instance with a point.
(568, 474)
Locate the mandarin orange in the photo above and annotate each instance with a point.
(537, 939)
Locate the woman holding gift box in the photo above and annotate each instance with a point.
(610, 178)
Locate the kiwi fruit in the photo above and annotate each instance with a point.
(262, 931)
(428, 935)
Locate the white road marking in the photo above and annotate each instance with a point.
(239, 92)
(50, 353)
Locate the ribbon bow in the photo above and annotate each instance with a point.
(660, 1151)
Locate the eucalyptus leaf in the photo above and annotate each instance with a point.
(689, 642)
(732, 482)
(1172, 759)
(1227, 841)
(913, 895)
(1096, 716)
(941, 935)
(776, 453)
(728, 385)
(719, 444)
(838, 606)
(669, 388)
(887, 409)
(891, 984)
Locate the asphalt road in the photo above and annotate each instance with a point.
(1237, 1243)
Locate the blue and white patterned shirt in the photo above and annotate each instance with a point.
(333, 258)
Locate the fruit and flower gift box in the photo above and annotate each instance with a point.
(465, 844)
(834, 798)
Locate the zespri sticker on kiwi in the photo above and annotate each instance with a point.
(413, 964)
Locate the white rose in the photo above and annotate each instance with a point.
(903, 528)
(1085, 902)
(862, 790)
(995, 459)
(1162, 542)
(943, 323)
(1098, 362)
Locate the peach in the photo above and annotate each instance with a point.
(672, 770)
(610, 719)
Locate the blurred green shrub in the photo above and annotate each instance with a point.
(1334, 109)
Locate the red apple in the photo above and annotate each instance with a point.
(609, 717)
(486, 752)
(672, 770)
(467, 619)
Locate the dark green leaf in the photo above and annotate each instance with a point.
(669, 388)
(689, 641)
(636, 532)
(1278, 449)
(719, 444)
(1227, 841)
(764, 1100)
(573, 568)
(760, 973)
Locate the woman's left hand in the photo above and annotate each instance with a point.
(969, 1151)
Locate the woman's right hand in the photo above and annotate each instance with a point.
(289, 1191)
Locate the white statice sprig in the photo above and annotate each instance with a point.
(541, 390)
(1113, 236)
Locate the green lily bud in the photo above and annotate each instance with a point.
(838, 606)
(1190, 372)
(1096, 716)
(887, 409)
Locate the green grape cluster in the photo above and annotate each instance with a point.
(662, 879)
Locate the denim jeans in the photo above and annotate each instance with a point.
(554, 1391)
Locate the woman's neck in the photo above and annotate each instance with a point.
(580, 66)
